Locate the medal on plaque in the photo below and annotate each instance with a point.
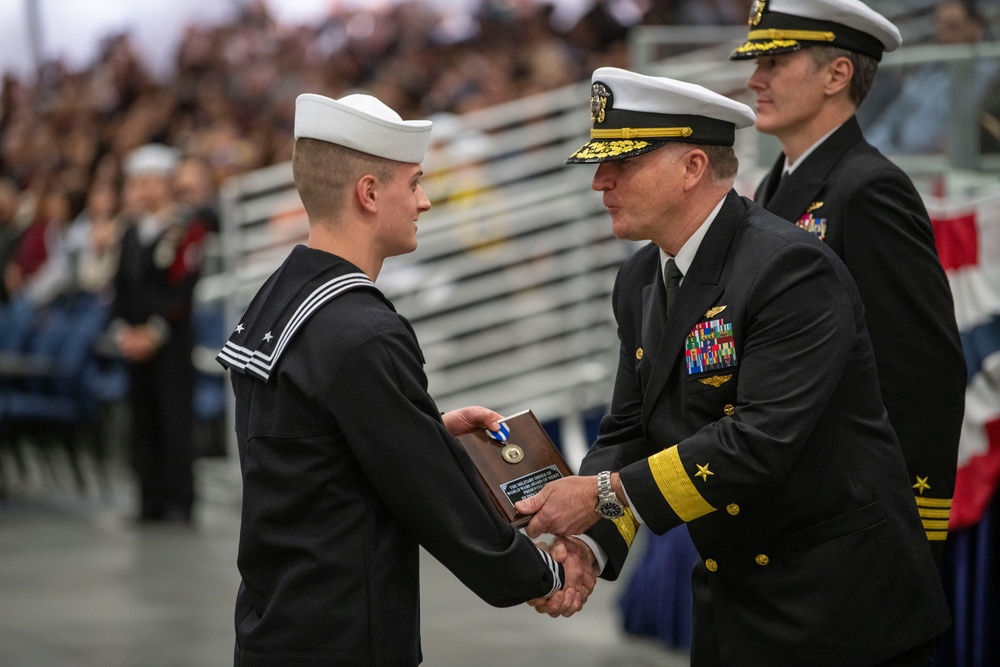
(510, 452)
(515, 462)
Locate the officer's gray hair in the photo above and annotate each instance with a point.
(722, 161)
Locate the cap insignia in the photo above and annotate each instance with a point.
(599, 95)
(756, 11)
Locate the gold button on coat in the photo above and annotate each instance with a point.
(733, 509)
(762, 559)
(638, 354)
(730, 410)
(711, 565)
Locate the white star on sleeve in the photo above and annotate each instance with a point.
(239, 328)
(268, 336)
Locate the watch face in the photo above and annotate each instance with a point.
(611, 510)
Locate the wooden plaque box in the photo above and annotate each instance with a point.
(530, 462)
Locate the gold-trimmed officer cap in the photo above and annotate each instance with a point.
(632, 114)
(783, 26)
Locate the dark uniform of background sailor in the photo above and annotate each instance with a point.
(151, 327)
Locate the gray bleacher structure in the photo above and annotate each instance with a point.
(509, 289)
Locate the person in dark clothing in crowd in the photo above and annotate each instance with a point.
(160, 261)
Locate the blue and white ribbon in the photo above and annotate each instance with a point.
(501, 435)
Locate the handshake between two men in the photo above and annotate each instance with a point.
(564, 509)
(560, 511)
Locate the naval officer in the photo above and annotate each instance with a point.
(816, 61)
(746, 405)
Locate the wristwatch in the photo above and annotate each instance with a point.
(608, 504)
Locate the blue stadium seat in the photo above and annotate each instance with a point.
(45, 398)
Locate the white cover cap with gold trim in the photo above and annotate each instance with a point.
(364, 123)
(782, 26)
(634, 113)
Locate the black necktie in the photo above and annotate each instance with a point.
(673, 281)
(775, 183)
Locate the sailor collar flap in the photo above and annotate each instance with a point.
(304, 283)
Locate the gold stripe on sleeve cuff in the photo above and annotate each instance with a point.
(675, 485)
(627, 526)
(934, 524)
(937, 535)
(933, 514)
(933, 502)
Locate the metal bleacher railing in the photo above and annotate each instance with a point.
(963, 156)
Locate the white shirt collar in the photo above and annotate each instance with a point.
(150, 226)
(790, 167)
(687, 252)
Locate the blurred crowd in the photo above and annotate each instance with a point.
(229, 103)
(910, 109)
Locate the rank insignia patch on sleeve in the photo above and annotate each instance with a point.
(710, 346)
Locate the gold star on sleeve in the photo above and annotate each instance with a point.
(921, 485)
(676, 485)
(703, 471)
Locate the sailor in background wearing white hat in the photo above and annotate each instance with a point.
(745, 406)
(159, 265)
(816, 62)
(347, 463)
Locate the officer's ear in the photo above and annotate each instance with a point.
(839, 73)
(695, 167)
